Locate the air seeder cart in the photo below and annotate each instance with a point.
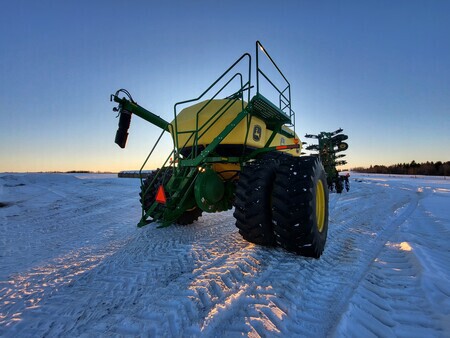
(240, 150)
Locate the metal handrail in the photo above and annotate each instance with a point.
(157, 174)
(243, 86)
(217, 115)
(197, 129)
(281, 93)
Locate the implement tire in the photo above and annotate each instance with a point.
(149, 188)
(189, 216)
(253, 201)
(151, 185)
(300, 206)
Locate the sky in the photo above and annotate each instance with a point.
(378, 69)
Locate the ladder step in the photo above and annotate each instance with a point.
(266, 110)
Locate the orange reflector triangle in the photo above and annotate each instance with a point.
(161, 195)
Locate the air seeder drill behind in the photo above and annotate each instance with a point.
(232, 146)
(328, 147)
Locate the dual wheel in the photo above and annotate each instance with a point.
(284, 202)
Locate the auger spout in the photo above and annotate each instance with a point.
(126, 108)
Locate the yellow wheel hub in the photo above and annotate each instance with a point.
(320, 206)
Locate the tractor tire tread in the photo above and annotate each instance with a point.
(294, 206)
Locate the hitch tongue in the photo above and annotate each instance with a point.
(124, 124)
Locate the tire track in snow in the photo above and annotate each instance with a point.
(205, 279)
(305, 296)
(380, 308)
(157, 266)
(27, 290)
(69, 223)
(403, 205)
(256, 284)
(390, 300)
(51, 252)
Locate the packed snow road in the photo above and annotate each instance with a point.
(72, 263)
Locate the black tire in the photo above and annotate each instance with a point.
(331, 186)
(339, 186)
(151, 185)
(189, 216)
(253, 201)
(148, 193)
(300, 206)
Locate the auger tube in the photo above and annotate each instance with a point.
(134, 108)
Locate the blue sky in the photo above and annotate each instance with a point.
(378, 69)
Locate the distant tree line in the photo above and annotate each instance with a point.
(66, 172)
(427, 168)
(78, 172)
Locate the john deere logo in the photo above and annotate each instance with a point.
(257, 131)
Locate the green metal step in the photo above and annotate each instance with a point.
(267, 111)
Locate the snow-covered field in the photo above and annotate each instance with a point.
(72, 263)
